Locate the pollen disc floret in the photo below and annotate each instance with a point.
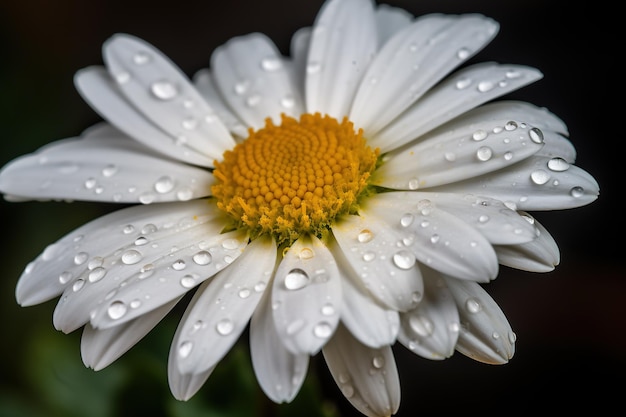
(294, 178)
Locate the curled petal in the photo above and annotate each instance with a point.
(366, 376)
(306, 296)
(279, 371)
(100, 347)
(539, 255)
(485, 335)
(431, 330)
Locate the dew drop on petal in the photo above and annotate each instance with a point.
(369, 256)
(164, 184)
(378, 362)
(558, 164)
(463, 83)
(97, 274)
(365, 236)
(202, 258)
(484, 153)
(536, 135)
(328, 309)
(404, 259)
(131, 257)
(225, 327)
(179, 265)
(109, 170)
(306, 253)
(322, 330)
(414, 184)
(188, 281)
(577, 192)
(406, 220)
(116, 310)
(141, 58)
(244, 293)
(65, 277)
(164, 90)
(472, 305)
(271, 64)
(511, 125)
(296, 279)
(80, 258)
(230, 244)
(78, 285)
(184, 349)
(485, 86)
(539, 177)
(479, 135)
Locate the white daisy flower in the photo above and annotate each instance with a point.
(353, 194)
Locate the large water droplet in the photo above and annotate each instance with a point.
(202, 258)
(322, 330)
(96, 274)
(184, 349)
(558, 164)
(131, 257)
(164, 90)
(539, 177)
(225, 327)
(296, 279)
(179, 265)
(188, 281)
(365, 236)
(404, 259)
(484, 153)
(536, 135)
(164, 184)
(116, 310)
(472, 305)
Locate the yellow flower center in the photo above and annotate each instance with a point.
(294, 178)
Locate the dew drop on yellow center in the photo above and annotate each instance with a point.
(294, 178)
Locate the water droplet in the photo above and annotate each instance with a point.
(95, 262)
(328, 309)
(225, 327)
(365, 236)
(80, 258)
(369, 256)
(230, 244)
(244, 293)
(508, 156)
(141, 58)
(463, 83)
(512, 337)
(378, 362)
(179, 265)
(463, 53)
(479, 135)
(414, 184)
(485, 86)
(116, 310)
(288, 102)
(271, 64)
(449, 156)
(536, 135)
(184, 349)
(122, 77)
(109, 170)
(148, 228)
(78, 284)
(202, 258)
(539, 177)
(164, 184)
(65, 277)
(90, 183)
(184, 194)
(313, 67)
(322, 330)
(483, 218)
(404, 259)
(472, 305)
(128, 229)
(511, 125)
(141, 240)
(558, 164)
(135, 304)
(189, 123)
(97, 274)
(241, 87)
(407, 219)
(484, 153)
(306, 253)
(188, 281)
(146, 198)
(131, 257)
(259, 286)
(434, 238)
(296, 279)
(164, 90)
(253, 100)
(577, 192)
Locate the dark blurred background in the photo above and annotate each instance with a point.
(570, 323)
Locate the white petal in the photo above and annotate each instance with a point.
(431, 330)
(99, 348)
(108, 169)
(184, 386)
(306, 286)
(221, 308)
(390, 20)
(437, 239)
(98, 89)
(470, 146)
(205, 86)
(462, 91)
(414, 60)
(251, 77)
(540, 255)
(486, 335)
(343, 43)
(299, 49)
(279, 372)
(379, 260)
(199, 256)
(382, 324)
(533, 185)
(367, 377)
(492, 218)
(164, 95)
(62, 263)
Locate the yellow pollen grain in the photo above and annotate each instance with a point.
(295, 177)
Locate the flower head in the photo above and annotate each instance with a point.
(370, 174)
